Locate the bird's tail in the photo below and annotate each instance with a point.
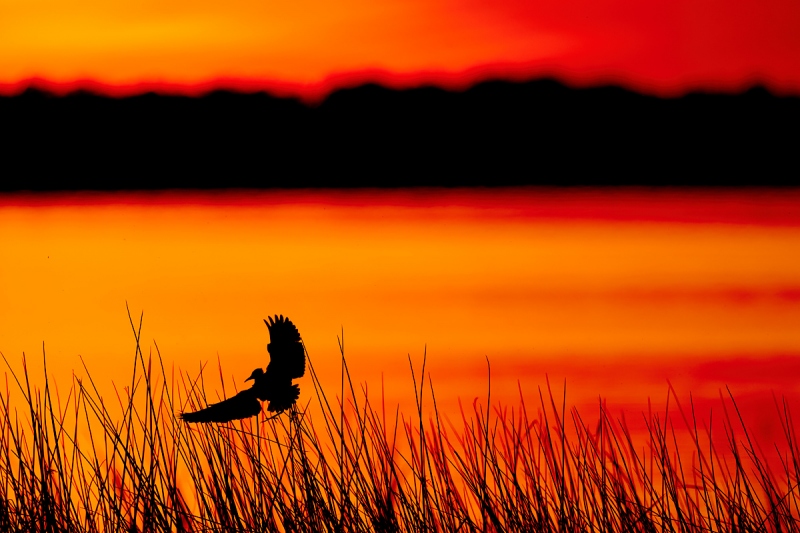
(284, 399)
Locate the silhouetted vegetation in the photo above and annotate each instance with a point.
(69, 463)
(494, 133)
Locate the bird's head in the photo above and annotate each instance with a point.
(257, 373)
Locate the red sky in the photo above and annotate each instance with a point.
(307, 47)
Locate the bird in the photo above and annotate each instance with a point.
(287, 362)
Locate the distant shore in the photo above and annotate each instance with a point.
(495, 133)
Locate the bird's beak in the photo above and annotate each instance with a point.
(249, 379)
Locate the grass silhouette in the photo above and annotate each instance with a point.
(81, 464)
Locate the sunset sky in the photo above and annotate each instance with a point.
(308, 47)
(615, 291)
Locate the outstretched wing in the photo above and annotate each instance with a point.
(286, 355)
(243, 405)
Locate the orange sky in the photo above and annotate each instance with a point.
(307, 47)
(614, 291)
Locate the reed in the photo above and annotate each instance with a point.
(80, 463)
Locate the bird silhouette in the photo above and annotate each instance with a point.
(287, 361)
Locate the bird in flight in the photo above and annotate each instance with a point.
(287, 361)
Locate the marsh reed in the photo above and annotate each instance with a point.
(79, 462)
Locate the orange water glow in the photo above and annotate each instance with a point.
(618, 292)
(308, 47)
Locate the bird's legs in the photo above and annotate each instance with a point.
(276, 415)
